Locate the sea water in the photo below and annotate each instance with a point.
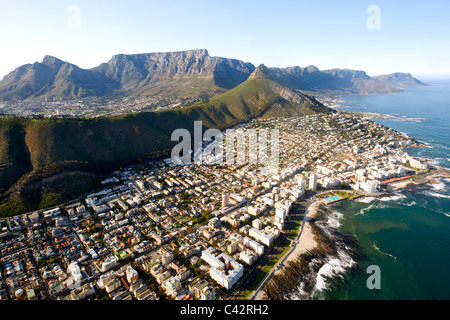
(406, 235)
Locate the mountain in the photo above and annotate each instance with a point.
(261, 96)
(400, 80)
(47, 161)
(191, 73)
(333, 81)
(182, 74)
(53, 77)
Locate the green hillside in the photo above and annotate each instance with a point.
(47, 161)
(257, 97)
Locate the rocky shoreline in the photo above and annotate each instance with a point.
(298, 279)
(322, 243)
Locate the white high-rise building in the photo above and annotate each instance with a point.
(313, 182)
(223, 269)
(264, 238)
(257, 224)
(75, 271)
(132, 275)
(254, 211)
(280, 213)
(255, 246)
(301, 182)
(225, 199)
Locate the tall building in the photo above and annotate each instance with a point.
(313, 182)
(132, 275)
(264, 238)
(225, 199)
(75, 271)
(301, 182)
(223, 269)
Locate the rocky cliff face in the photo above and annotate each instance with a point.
(164, 73)
(191, 73)
(141, 70)
(137, 67)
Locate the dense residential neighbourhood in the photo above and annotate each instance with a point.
(166, 231)
(89, 106)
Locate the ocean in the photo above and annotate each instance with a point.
(406, 235)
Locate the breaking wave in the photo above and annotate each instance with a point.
(439, 186)
(394, 197)
(335, 267)
(334, 218)
(366, 199)
(437, 195)
(363, 210)
(329, 266)
(413, 203)
(387, 254)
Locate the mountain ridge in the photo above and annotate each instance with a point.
(53, 77)
(68, 151)
(334, 81)
(400, 79)
(189, 73)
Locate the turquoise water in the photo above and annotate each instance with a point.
(406, 235)
(331, 199)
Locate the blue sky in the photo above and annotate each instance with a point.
(413, 36)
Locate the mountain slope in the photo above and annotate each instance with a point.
(333, 81)
(260, 96)
(400, 80)
(67, 151)
(183, 73)
(54, 78)
(191, 73)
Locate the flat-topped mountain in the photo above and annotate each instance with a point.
(190, 73)
(48, 161)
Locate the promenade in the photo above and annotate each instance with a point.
(303, 242)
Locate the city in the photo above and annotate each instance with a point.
(90, 106)
(201, 232)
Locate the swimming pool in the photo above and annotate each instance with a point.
(330, 199)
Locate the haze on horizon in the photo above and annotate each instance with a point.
(379, 37)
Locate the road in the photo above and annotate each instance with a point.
(281, 261)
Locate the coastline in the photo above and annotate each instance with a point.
(305, 239)
(303, 274)
(316, 245)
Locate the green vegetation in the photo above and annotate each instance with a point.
(199, 221)
(47, 261)
(54, 190)
(295, 230)
(272, 262)
(346, 194)
(32, 150)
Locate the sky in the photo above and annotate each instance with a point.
(379, 37)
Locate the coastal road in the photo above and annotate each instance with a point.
(280, 262)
